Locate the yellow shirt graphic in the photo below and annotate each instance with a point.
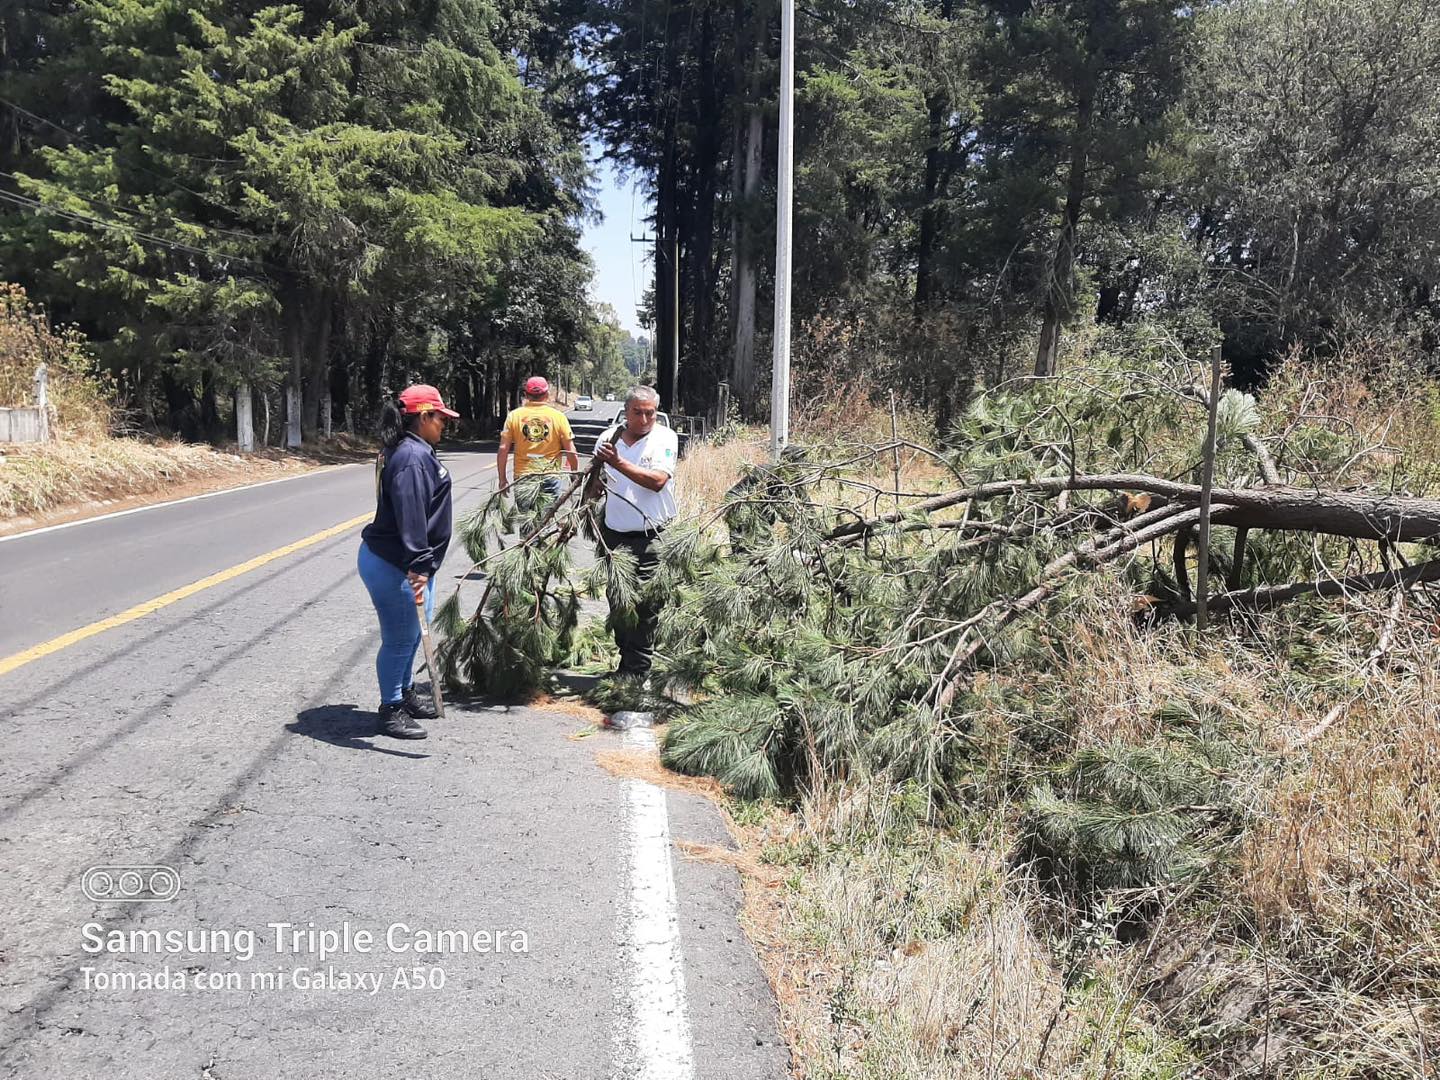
(537, 433)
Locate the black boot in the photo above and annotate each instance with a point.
(419, 708)
(397, 723)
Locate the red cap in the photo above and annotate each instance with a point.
(421, 398)
(535, 386)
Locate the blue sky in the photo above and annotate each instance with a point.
(621, 268)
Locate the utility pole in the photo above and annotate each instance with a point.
(650, 328)
(784, 198)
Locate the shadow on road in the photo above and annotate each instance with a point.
(574, 682)
(346, 726)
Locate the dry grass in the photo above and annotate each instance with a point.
(645, 765)
(79, 398)
(1364, 415)
(1341, 872)
(567, 706)
(38, 478)
(1313, 948)
(744, 863)
(1324, 925)
(711, 469)
(84, 464)
(902, 951)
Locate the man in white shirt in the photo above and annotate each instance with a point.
(639, 457)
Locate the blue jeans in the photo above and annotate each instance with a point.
(394, 602)
(550, 486)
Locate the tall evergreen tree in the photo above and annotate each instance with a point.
(274, 186)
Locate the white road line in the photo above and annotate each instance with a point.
(653, 1033)
(175, 502)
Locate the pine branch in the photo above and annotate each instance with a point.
(1006, 610)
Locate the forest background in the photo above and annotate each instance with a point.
(337, 198)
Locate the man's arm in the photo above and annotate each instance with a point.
(652, 479)
(502, 459)
(567, 443)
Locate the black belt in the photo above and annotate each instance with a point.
(649, 534)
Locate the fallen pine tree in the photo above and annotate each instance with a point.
(996, 631)
(839, 623)
(836, 621)
(806, 606)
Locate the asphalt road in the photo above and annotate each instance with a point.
(229, 736)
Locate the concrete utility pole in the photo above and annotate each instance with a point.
(785, 190)
(42, 401)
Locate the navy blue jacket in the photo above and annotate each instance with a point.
(411, 529)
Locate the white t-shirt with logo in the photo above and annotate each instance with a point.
(651, 509)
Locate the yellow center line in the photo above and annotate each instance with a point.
(64, 641)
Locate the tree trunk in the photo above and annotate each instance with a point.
(317, 361)
(930, 213)
(1398, 519)
(667, 213)
(748, 160)
(492, 393)
(1059, 296)
(702, 363)
(244, 419)
(210, 425)
(294, 316)
(464, 395)
(377, 355)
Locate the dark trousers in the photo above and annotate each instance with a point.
(635, 639)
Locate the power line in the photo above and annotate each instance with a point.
(118, 209)
(89, 143)
(35, 206)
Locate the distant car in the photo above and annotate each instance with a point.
(662, 418)
(584, 403)
(609, 397)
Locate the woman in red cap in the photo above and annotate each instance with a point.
(401, 550)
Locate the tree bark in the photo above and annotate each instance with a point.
(244, 419)
(747, 159)
(667, 215)
(1059, 296)
(294, 316)
(1358, 515)
(699, 389)
(210, 425)
(317, 361)
(930, 211)
(1262, 597)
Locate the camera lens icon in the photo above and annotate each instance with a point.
(131, 884)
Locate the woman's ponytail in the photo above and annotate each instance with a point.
(392, 425)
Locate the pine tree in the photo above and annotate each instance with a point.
(268, 185)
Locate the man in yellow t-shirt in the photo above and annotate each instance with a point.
(537, 434)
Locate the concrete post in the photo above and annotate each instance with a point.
(42, 400)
